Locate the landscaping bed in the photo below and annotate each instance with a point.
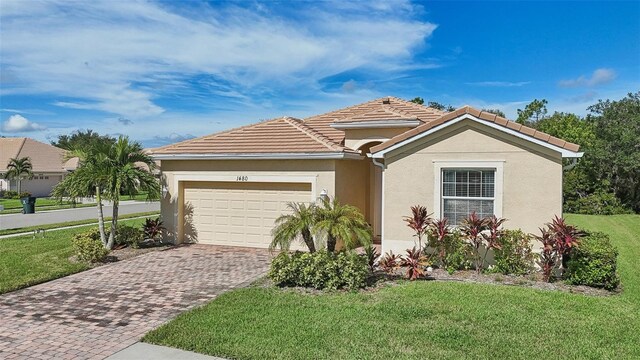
(460, 316)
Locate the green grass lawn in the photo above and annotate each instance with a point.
(73, 223)
(12, 205)
(424, 319)
(25, 261)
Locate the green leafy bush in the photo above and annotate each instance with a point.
(129, 236)
(320, 270)
(10, 194)
(514, 255)
(88, 247)
(593, 263)
(598, 203)
(457, 256)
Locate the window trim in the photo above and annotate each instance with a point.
(439, 165)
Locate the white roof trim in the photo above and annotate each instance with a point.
(375, 124)
(257, 156)
(565, 153)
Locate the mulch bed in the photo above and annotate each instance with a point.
(380, 280)
(531, 281)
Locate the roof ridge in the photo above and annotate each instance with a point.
(299, 124)
(400, 111)
(346, 108)
(215, 134)
(419, 106)
(24, 141)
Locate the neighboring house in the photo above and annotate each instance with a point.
(49, 165)
(382, 156)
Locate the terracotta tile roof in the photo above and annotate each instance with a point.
(483, 115)
(44, 157)
(322, 123)
(281, 135)
(379, 114)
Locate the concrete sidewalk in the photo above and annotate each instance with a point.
(142, 351)
(14, 221)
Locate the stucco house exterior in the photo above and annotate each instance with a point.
(49, 165)
(382, 156)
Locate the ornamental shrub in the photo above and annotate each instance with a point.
(593, 263)
(457, 255)
(320, 270)
(514, 256)
(88, 247)
(129, 236)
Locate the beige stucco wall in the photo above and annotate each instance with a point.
(352, 183)
(532, 178)
(355, 138)
(322, 171)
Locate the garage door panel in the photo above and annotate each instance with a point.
(239, 214)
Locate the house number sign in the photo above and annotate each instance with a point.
(242, 178)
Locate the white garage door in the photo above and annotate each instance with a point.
(237, 214)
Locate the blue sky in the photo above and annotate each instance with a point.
(165, 71)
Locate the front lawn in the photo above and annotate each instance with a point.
(26, 261)
(424, 319)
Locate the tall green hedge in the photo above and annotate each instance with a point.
(594, 262)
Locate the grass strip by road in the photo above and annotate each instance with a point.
(73, 223)
(46, 208)
(25, 261)
(424, 319)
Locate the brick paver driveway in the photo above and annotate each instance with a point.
(96, 313)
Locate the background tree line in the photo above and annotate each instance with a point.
(606, 180)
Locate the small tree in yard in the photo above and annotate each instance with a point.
(472, 227)
(341, 222)
(492, 237)
(558, 238)
(110, 170)
(440, 230)
(418, 222)
(19, 169)
(549, 255)
(294, 226)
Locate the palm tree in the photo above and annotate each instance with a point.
(108, 171)
(19, 169)
(294, 226)
(126, 175)
(89, 179)
(342, 222)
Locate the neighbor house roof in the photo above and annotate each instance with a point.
(482, 115)
(44, 157)
(322, 134)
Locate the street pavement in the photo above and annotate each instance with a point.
(13, 221)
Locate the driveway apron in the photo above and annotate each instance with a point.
(96, 313)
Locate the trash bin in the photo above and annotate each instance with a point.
(28, 205)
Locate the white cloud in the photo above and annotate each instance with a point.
(18, 123)
(599, 77)
(120, 56)
(500, 83)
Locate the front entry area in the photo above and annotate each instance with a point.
(237, 213)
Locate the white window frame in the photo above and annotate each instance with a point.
(439, 165)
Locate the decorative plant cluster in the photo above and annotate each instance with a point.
(557, 238)
(320, 270)
(566, 253)
(330, 220)
(88, 247)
